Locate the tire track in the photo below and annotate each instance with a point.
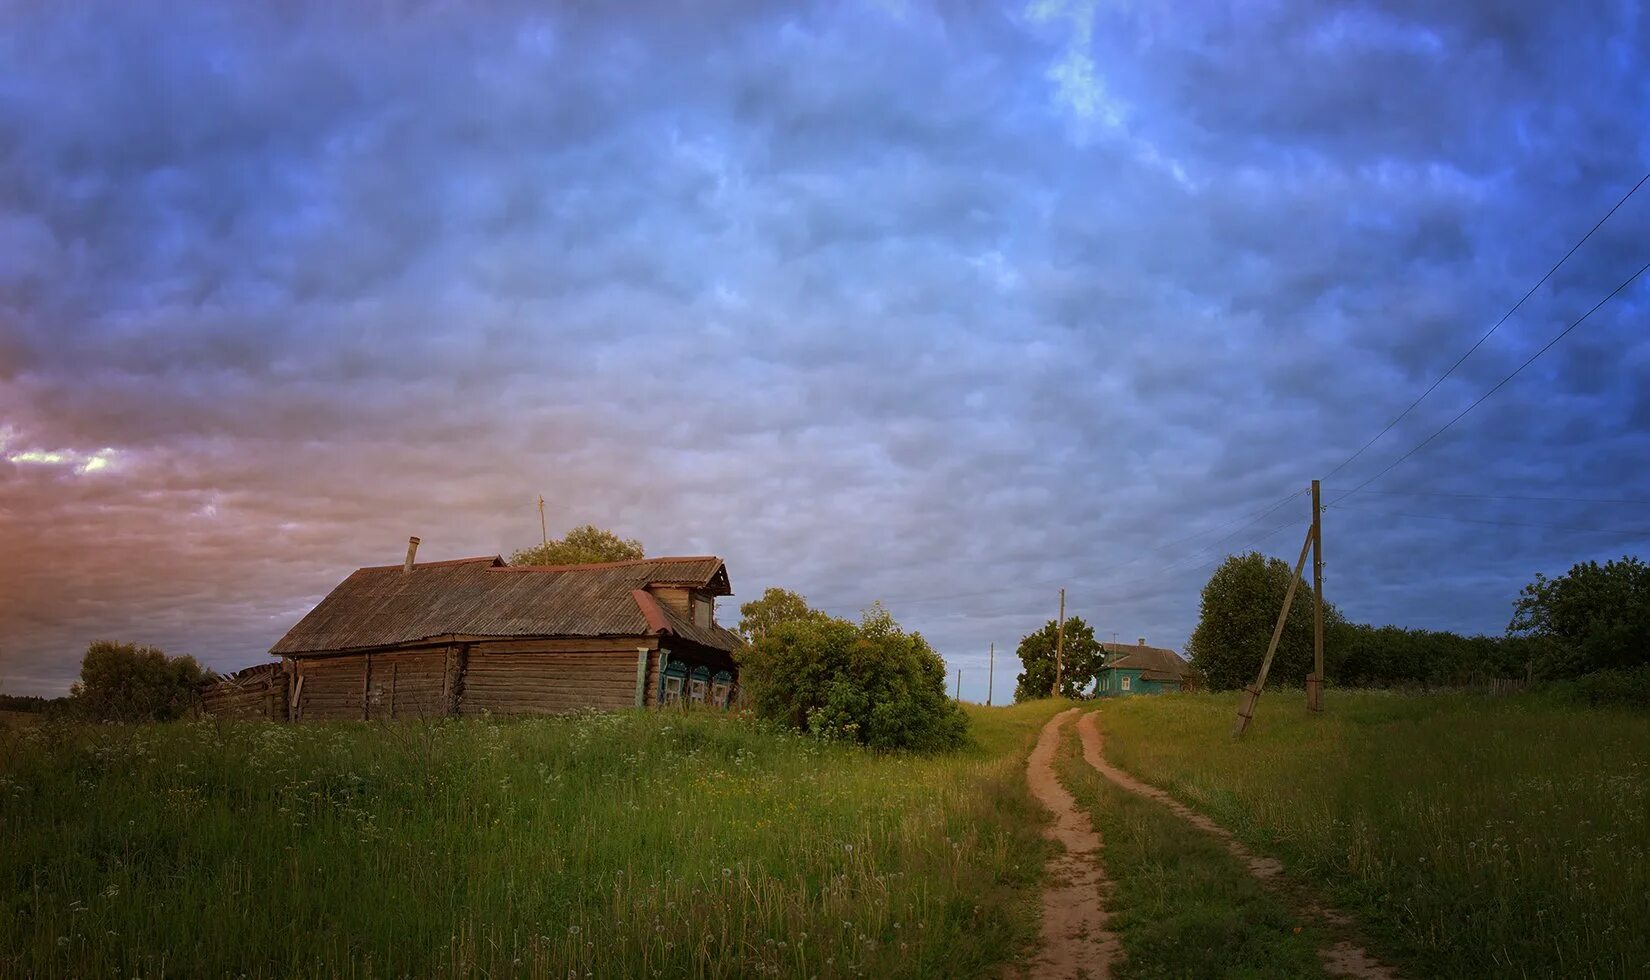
(1343, 958)
(1075, 942)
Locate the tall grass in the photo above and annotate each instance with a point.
(1181, 905)
(1476, 836)
(635, 844)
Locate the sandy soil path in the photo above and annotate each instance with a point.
(1342, 958)
(1075, 942)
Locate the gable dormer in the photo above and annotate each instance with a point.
(694, 599)
(696, 605)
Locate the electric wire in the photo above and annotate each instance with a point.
(1502, 496)
(1504, 317)
(1497, 386)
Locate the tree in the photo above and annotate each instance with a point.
(870, 682)
(585, 545)
(1080, 663)
(1240, 608)
(130, 683)
(759, 617)
(1593, 617)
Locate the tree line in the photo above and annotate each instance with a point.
(1591, 622)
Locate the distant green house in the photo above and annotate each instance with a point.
(1139, 669)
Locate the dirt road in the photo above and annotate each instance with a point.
(1074, 942)
(1341, 958)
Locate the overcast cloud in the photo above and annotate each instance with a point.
(949, 309)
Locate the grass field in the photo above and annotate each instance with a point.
(1472, 836)
(18, 719)
(1181, 905)
(628, 844)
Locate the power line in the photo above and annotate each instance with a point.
(1504, 317)
(1498, 385)
(1212, 548)
(1502, 496)
(1476, 520)
(1252, 520)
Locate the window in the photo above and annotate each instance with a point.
(702, 610)
(696, 691)
(1126, 683)
(673, 690)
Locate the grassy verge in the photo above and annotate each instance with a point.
(1181, 905)
(1472, 836)
(608, 845)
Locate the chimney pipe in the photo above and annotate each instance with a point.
(1142, 639)
(412, 549)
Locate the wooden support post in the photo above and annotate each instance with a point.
(395, 673)
(447, 681)
(452, 682)
(991, 674)
(641, 676)
(959, 683)
(664, 661)
(366, 683)
(298, 698)
(1246, 709)
(1060, 646)
(1314, 681)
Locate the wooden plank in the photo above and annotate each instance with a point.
(593, 644)
(641, 676)
(1246, 709)
(1314, 681)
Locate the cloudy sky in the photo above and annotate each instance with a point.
(949, 308)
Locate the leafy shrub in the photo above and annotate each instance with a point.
(125, 682)
(1628, 688)
(871, 683)
(1356, 655)
(1596, 616)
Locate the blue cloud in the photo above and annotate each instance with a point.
(950, 310)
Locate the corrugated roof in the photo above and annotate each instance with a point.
(385, 606)
(1158, 663)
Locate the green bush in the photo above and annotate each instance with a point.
(1597, 617)
(871, 683)
(1357, 655)
(124, 682)
(1629, 688)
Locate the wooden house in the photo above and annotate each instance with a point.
(477, 635)
(1140, 669)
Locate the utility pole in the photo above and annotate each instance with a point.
(1246, 710)
(991, 674)
(1059, 645)
(1314, 683)
(959, 683)
(543, 531)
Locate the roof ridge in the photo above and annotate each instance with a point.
(432, 564)
(604, 564)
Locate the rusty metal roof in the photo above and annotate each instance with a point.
(483, 597)
(1158, 663)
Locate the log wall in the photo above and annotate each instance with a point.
(505, 677)
(257, 693)
(548, 683)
